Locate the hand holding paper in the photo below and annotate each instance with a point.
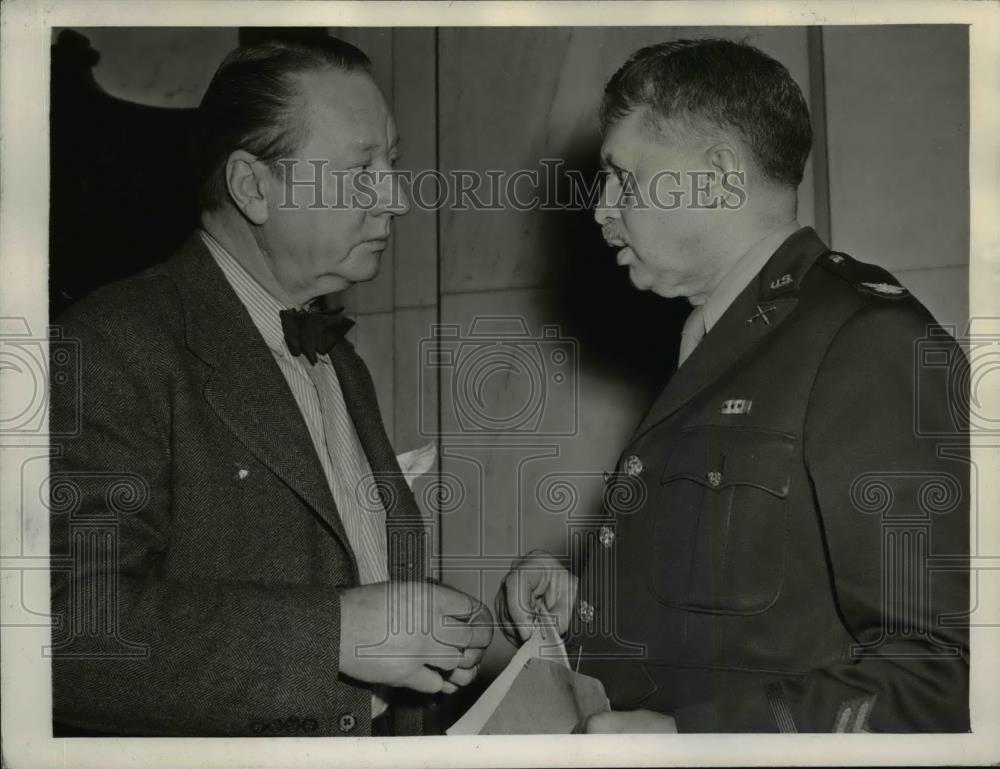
(536, 583)
(383, 636)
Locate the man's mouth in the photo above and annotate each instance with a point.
(380, 240)
(612, 235)
(624, 256)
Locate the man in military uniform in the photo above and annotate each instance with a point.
(782, 549)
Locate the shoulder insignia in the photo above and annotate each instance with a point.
(885, 288)
(866, 278)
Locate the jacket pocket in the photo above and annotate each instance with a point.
(719, 532)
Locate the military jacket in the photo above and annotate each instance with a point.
(784, 540)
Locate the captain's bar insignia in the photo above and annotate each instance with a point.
(736, 406)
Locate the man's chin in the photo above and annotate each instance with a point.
(361, 267)
(639, 278)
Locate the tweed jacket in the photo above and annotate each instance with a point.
(197, 552)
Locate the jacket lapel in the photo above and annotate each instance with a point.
(760, 309)
(245, 387)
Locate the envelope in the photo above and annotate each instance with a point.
(537, 693)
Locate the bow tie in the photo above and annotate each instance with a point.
(314, 332)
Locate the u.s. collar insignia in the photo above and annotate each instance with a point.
(836, 258)
(885, 288)
(784, 280)
(736, 406)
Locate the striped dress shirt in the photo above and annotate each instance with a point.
(317, 392)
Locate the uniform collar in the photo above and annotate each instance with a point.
(742, 272)
(763, 305)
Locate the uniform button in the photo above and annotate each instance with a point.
(714, 478)
(632, 465)
(586, 612)
(347, 722)
(606, 536)
(310, 724)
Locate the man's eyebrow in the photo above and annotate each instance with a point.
(365, 147)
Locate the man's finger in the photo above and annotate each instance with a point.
(463, 676)
(471, 657)
(455, 603)
(504, 619)
(441, 656)
(425, 680)
(554, 590)
(602, 723)
(463, 635)
(519, 606)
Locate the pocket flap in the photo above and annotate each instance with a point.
(721, 458)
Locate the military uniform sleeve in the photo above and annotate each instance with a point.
(893, 507)
(135, 652)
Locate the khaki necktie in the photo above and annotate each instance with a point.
(694, 330)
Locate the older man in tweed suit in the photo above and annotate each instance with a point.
(264, 571)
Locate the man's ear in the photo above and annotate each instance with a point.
(723, 158)
(247, 180)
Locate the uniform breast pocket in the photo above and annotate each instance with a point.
(719, 536)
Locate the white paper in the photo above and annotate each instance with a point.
(544, 642)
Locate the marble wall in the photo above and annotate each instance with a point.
(898, 127)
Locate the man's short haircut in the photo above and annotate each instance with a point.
(253, 104)
(731, 85)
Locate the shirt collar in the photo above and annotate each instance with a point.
(263, 307)
(742, 272)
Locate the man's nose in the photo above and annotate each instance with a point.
(605, 214)
(606, 210)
